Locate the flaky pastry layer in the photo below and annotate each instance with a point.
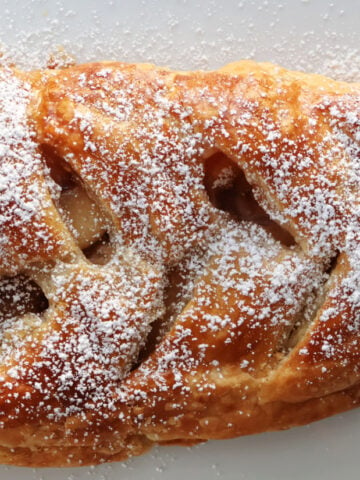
(179, 257)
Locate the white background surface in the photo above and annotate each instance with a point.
(313, 35)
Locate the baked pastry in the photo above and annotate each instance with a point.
(179, 256)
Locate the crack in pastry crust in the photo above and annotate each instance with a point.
(178, 231)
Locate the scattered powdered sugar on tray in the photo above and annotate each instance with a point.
(187, 35)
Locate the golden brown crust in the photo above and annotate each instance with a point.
(168, 319)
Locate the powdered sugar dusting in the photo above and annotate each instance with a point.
(226, 294)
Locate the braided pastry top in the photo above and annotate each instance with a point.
(179, 256)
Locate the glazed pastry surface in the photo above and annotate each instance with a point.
(179, 256)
